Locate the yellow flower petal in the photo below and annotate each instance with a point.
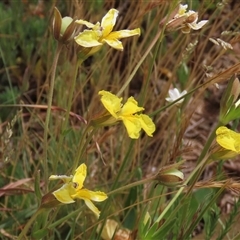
(114, 43)
(108, 21)
(112, 38)
(147, 124)
(86, 23)
(91, 195)
(123, 34)
(92, 207)
(64, 178)
(228, 139)
(80, 175)
(130, 107)
(111, 102)
(88, 38)
(64, 193)
(133, 125)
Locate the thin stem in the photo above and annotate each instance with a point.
(145, 88)
(83, 145)
(137, 183)
(23, 234)
(106, 204)
(139, 63)
(199, 168)
(46, 127)
(178, 193)
(69, 104)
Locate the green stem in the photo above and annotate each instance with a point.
(69, 104)
(202, 161)
(178, 193)
(139, 63)
(145, 88)
(123, 165)
(23, 234)
(137, 183)
(107, 203)
(83, 145)
(46, 126)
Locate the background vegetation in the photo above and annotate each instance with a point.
(153, 210)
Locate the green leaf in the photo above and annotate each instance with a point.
(40, 233)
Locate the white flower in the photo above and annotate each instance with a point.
(194, 25)
(174, 94)
(187, 20)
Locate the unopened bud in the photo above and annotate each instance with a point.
(57, 24)
(66, 21)
(102, 121)
(170, 176)
(63, 28)
(49, 201)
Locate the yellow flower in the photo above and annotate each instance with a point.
(73, 188)
(102, 33)
(128, 113)
(228, 139)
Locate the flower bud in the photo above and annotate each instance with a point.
(63, 28)
(49, 201)
(170, 176)
(103, 120)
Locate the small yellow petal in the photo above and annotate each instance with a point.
(64, 193)
(131, 107)
(80, 175)
(88, 38)
(64, 178)
(123, 34)
(91, 195)
(108, 21)
(111, 102)
(86, 23)
(133, 125)
(114, 43)
(92, 207)
(147, 124)
(228, 139)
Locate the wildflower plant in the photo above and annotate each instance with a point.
(102, 33)
(128, 113)
(148, 179)
(73, 189)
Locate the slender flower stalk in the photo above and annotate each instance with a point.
(86, 137)
(46, 126)
(69, 104)
(23, 234)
